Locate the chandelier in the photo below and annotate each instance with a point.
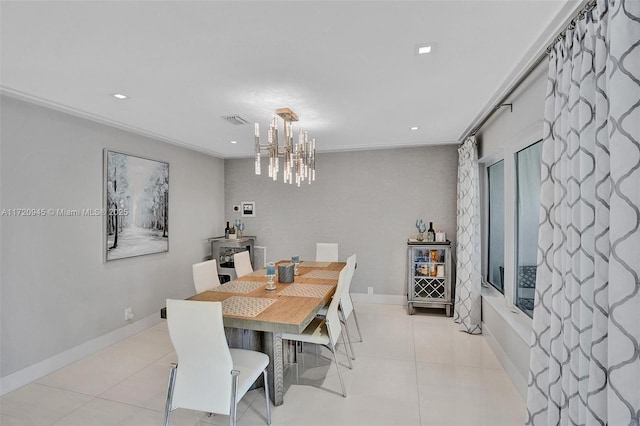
(299, 158)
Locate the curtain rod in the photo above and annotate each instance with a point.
(579, 15)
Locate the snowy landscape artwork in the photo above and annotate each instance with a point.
(136, 206)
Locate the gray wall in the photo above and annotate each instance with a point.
(367, 201)
(56, 291)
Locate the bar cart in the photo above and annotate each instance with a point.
(223, 249)
(429, 275)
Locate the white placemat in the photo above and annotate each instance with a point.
(259, 273)
(239, 287)
(245, 306)
(306, 290)
(313, 264)
(326, 275)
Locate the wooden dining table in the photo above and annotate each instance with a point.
(248, 305)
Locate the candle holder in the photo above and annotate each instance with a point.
(295, 260)
(271, 273)
(271, 285)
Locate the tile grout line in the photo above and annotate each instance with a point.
(100, 396)
(93, 398)
(133, 374)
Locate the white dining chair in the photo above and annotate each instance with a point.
(326, 252)
(242, 263)
(345, 307)
(327, 331)
(208, 376)
(205, 275)
(346, 302)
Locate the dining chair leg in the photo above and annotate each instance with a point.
(343, 320)
(234, 397)
(345, 345)
(335, 358)
(266, 396)
(170, 386)
(355, 317)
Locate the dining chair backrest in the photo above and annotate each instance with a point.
(347, 304)
(326, 252)
(332, 319)
(242, 262)
(205, 276)
(203, 380)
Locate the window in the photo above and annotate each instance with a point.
(495, 269)
(527, 216)
(510, 216)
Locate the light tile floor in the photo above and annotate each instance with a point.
(409, 370)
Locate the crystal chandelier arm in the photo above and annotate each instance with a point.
(313, 160)
(257, 149)
(274, 161)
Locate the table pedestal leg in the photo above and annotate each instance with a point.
(273, 347)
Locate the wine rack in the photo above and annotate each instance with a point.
(429, 276)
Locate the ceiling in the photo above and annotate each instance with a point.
(348, 69)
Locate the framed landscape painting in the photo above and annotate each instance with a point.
(136, 203)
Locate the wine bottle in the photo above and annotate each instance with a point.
(431, 234)
(226, 231)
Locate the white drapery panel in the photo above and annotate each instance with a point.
(468, 275)
(585, 352)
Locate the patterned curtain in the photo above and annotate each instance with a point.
(585, 352)
(468, 276)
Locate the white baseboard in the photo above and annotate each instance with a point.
(29, 374)
(381, 299)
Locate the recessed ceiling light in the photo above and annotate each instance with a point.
(234, 141)
(415, 128)
(120, 96)
(424, 48)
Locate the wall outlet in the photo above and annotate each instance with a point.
(369, 290)
(128, 314)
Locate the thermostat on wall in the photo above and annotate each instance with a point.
(248, 208)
